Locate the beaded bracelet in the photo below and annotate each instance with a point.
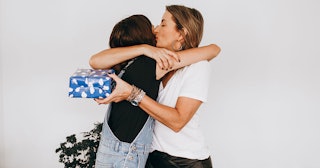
(136, 96)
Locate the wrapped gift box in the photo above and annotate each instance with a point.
(89, 83)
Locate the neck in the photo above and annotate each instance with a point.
(167, 77)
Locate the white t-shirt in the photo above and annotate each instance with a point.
(192, 82)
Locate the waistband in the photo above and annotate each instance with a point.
(163, 159)
(119, 146)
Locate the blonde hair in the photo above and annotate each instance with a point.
(189, 23)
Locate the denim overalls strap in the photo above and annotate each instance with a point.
(113, 153)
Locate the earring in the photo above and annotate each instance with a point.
(173, 44)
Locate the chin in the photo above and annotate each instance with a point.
(161, 46)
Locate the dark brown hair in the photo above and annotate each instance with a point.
(133, 30)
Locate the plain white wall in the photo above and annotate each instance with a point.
(263, 109)
(1, 94)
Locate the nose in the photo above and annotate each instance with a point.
(155, 30)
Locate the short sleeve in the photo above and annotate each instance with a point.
(196, 81)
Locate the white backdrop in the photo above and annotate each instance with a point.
(263, 110)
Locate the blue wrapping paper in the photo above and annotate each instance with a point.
(89, 83)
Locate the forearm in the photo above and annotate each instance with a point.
(174, 118)
(190, 56)
(113, 56)
(166, 115)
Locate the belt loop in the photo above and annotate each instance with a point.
(116, 146)
(146, 149)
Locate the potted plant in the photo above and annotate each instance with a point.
(74, 153)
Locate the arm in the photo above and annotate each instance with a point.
(191, 92)
(173, 117)
(108, 58)
(190, 56)
(194, 55)
(165, 58)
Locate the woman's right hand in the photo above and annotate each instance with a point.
(164, 58)
(120, 93)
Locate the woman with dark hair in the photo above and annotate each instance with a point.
(125, 138)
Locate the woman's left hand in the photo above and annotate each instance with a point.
(164, 57)
(120, 93)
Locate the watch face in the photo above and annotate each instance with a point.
(135, 103)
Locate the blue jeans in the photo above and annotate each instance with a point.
(113, 153)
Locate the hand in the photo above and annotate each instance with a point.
(164, 58)
(120, 93)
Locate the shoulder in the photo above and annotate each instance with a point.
(195, 81)
(198, 66)
(197, 70)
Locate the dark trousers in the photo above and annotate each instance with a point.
(158, 159)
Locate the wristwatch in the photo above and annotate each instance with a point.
(136, 100)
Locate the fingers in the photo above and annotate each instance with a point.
(160, 62)
(174, 56)
(169, 59)
(166, 58)
(114, 76)
(111, 98)
(121, 91)
(103, 101)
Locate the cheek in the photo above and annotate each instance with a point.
(161, 38)
(165, 38)
(162, 41)
(160, 35)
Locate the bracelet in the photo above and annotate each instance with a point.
(136, 96)
(133, 93)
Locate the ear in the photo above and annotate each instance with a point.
(185, 31)
(181, 36)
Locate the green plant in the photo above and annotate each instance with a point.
(74, 153)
